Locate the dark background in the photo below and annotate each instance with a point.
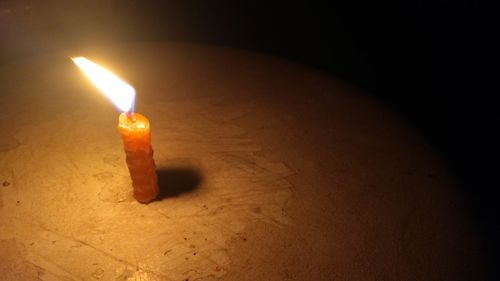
(431, 61)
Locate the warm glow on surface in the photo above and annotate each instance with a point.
(119, 92)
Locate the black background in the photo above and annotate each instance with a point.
(431, 61)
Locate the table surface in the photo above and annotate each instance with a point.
(269, 170)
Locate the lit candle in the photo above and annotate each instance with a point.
(133, 127)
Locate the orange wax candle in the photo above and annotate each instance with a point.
(133, 127)
(136, 135)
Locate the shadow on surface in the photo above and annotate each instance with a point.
(177, 180)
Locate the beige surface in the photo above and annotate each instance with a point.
(269, 171)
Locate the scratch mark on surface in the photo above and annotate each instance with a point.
(120, 260)
(43, 270)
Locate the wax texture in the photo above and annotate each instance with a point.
(136, 135)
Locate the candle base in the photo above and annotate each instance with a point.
(146, 194)
(143, 173)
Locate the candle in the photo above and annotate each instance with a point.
(133, 127)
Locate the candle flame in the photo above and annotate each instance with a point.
(119, 92)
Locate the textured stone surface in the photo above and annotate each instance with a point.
(268, 171)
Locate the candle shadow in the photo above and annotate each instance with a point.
(173, 181)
